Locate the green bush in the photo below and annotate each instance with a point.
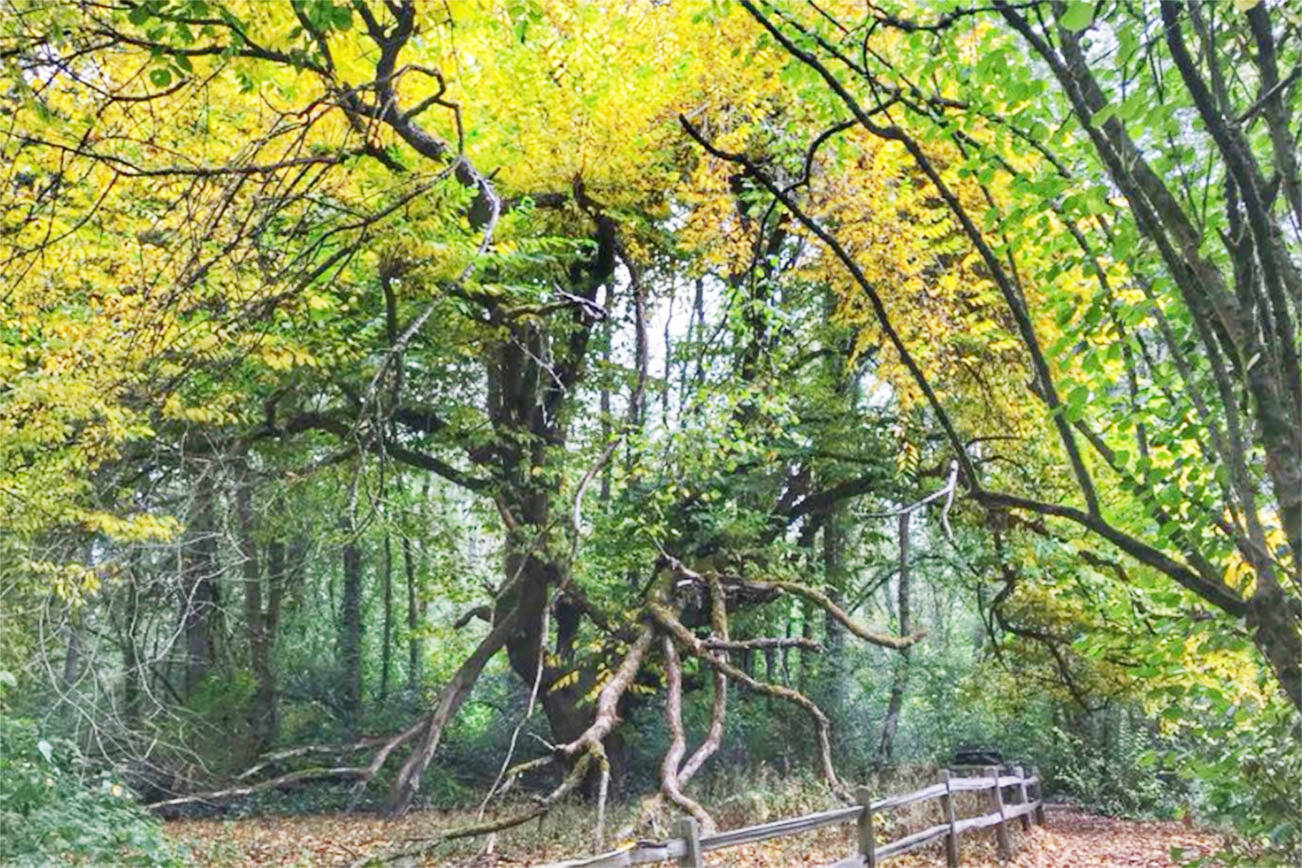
(1249, 774)
(52, 813)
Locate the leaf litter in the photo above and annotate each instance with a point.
(1070, 838)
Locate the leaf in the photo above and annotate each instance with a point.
(160, 77)
(46, 749)
(1077, 17)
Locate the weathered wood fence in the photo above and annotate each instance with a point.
(1022, 804)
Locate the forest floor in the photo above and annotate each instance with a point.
(1069, 838)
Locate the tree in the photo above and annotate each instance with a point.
(1188, 243)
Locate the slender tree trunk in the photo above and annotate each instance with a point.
(413, 617)
(133, 677)
(386, 648)
(350, 629)
(608, 332)
(834, 575)
(72, 655)
(668, 369)
(269, 698)
(835, 532)
(900, 679)
(264, 698)
(198, 591)
(696, 343)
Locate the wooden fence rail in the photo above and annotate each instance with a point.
(688, 847)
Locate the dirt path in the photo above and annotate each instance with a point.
(1070, 839)
(1074, 838)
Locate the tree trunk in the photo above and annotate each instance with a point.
(350, 630)
(263, 713)
(1274, 624)
(199, 592)
(386, 647)
(72, 656)
(413, 617)
(133, 677)
(900, 678)
(834, 575)
(269, 698)
(608, 334)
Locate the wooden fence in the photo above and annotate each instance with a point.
(1023, 804)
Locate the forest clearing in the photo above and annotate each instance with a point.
(761, 432)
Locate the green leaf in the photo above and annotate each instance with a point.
(1103, 115)
(160, 77)
(1078, 16)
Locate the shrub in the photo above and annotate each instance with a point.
(53, 813)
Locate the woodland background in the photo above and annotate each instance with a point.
(510, 404)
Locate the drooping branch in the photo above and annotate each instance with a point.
(612, 691)
(1013, 298)
(1221, 596)
(670, 784)
(308, 749)
(764, 643)
(828, 605)
(540, 808)
(450, 699)
(668, 621)
(719, 705)
(860, 278)
(286, 780)
(766, 590)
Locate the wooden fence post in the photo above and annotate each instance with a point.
(1001, 829)
(867, 839)
(1022, 798)
(687, 829)
(947, 807)
(1039, 796)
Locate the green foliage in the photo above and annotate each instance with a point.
(1099, 767)
(1249, 776)
(53, 813)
